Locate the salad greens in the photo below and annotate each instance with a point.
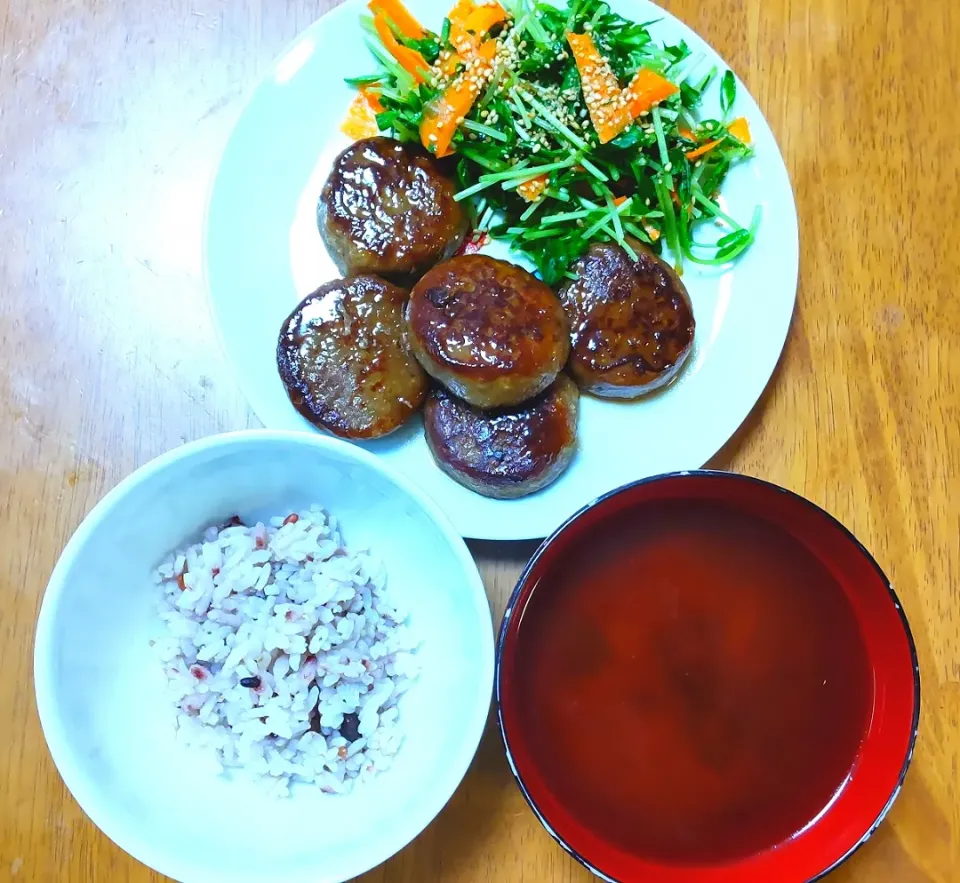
(524, 142)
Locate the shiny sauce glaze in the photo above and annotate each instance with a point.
(341, 357)
(508, 448)
(387, 209)
(631, 321)
(485, 318)
(694, 682)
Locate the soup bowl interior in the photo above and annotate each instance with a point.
(100, 689)
(890, 687)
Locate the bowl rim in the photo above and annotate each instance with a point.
(712, 474)
(84, 789)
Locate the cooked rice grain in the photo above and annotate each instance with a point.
(308, 624)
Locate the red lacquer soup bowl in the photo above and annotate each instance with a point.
(704, 677)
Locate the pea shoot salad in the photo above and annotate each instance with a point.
(565, 126)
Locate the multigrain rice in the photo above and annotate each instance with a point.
(284, 653)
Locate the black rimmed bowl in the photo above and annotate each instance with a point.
(704, 677)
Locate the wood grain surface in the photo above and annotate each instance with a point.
(112, 116)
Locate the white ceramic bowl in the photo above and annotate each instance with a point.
(100, 691)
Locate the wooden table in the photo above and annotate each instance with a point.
(112, 116)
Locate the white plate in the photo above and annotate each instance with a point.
(263, 254)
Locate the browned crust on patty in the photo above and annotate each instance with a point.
(386, 209)
(488, 330)
(631, 322)
(506, 453)
(341, 357)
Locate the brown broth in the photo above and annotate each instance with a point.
(694, 681)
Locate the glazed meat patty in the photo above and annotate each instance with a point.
(489, 331)
(386, 209)
(631, 322)
(509, 452)
(342, 359)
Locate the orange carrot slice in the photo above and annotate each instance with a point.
(533, 189)
(409, 59)
(470, 21)
(445, 113)
(459, 39)
(601, 91)
(646, 89)
(740, 129)
(611, 108)
(396, 12)
(360, 121)
(702, 149)
(469, 24)
(372, 96)
(458, 15)
(482, 19)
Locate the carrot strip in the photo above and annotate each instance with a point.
(702, 149)
(619, 200)
(611, 108)
(360, 121)
(740, 129)
(448, 62)
(602, 93)
(461, 10)
(396, 12)
(482, 18)
(459, 39)
(445, 113)
(470, 21)
(533, 189)
(409, 59)
(646, 89)
(372, 96)
(469, 24)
